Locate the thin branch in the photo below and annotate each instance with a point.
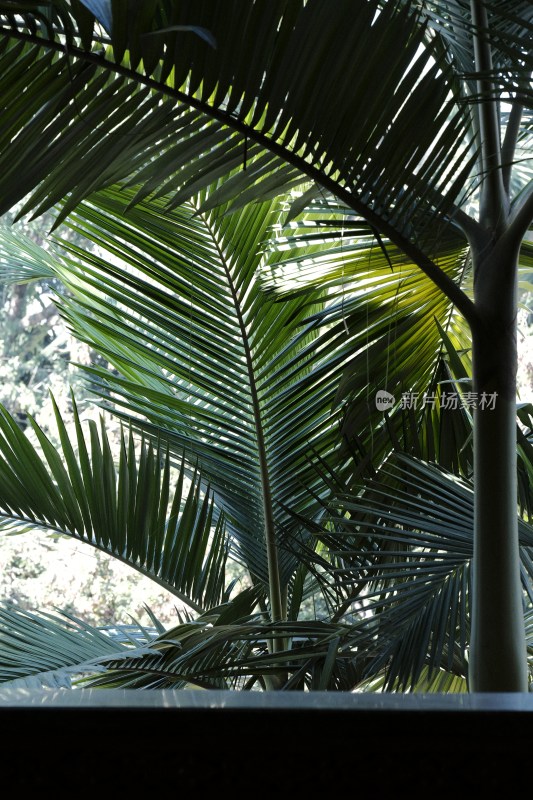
(522, 215)
(494, 200)
(467, 224)
(509, 144)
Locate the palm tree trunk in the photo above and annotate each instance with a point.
(498, 647)
(498, 644)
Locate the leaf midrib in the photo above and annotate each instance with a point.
(276, 604)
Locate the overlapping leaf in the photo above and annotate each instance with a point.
(227, 375)
(213, 653)
(229, 111)
(49, 650)
(249, 101)
(390, 323)
(402, 550)
(128, 511)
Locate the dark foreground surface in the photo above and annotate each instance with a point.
(100, 744)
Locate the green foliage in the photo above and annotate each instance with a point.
(168, 139)
(129, 512)
(46, 650)
(394, 591)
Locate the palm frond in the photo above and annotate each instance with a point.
(174, 114)
(150, 102)
(402, 550)
(511, 24)
(239, 655)
(21, 259)
(126, 511)
(395, 330)
(441, 682)
(231, 377)
(42, 650)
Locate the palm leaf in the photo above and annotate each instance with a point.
(265, 120)
(398, 331)
(251, 101)
(395, 330)
(22, 259)
(50, 650)
(213, 365)
(441, 682)
(239, 654)
(402, 551)
(126, 511)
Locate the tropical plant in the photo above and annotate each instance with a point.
(412, 144)
(180, 278)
